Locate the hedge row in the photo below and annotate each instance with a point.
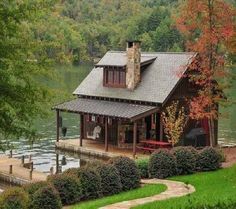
(179, 161)
(92, 181)
(101, 179)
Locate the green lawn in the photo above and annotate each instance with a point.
(145, 191)
(210, 187)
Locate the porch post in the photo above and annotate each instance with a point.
(161, 129)
(106, 134)
(57, 163)
(134, 138)
(57, 124)
(81, 129)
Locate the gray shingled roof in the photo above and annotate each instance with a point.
(113, 58)
(157, 81)
(106, 108)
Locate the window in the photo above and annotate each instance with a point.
(114, 77)
(110, 77)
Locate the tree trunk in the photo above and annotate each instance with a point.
(211, 132)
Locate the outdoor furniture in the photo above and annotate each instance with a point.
(152, 145)
(197, 137)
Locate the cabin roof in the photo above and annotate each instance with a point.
(119, 59)
(106, 108)
(157, 81)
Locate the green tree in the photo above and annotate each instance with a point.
(25, 58)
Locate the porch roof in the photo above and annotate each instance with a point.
(107, 108)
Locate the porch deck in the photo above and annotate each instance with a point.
(95, 148)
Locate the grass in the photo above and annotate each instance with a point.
(145, 191)
(211, 187)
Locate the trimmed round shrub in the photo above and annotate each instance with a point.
(72, 171)
(142, 165)
(46, 197)
(186, 160)
(68, 187)
(32, 188)
(14, 198)
(94, 164)
(90, 183)
(110, 179)
(194, 151)
(162, 164)
(128, 170)
(209, 159)
(222, 155)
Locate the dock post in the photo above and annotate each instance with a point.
(30, 158)
(23, 160)
(57, 125)
(59, 169)
(10, 154)
(32, 165)
(10, 169)
(57, 163)
(51, 171)
(31, 174)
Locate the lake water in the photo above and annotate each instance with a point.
(43, 151)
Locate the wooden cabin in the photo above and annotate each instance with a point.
(121, 100)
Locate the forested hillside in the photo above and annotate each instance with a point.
(90, 27)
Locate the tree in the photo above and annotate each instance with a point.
(207, 26)
(25, 58)
(174, 121)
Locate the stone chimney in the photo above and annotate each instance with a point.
(133, 64)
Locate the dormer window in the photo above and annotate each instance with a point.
(114, 77)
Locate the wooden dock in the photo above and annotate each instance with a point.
(13, 171)
(95, 149)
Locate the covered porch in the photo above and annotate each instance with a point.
(110, 127)
(96, 149)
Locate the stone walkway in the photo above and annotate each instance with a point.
(174, 189)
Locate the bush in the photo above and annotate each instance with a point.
(46, 197)
(72, 172)
(162, 164)
(208, 159)
(110, 179)
(129, 174)
(32, 188)
(186, 160)
(68, 186)
(142, 165)
(94, 164)
(194, 151)
(14, 198)
(222, 155)
(90, 183)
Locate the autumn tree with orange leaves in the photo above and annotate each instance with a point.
(174, 120)
(209, 28)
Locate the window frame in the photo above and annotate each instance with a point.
(114, 77)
